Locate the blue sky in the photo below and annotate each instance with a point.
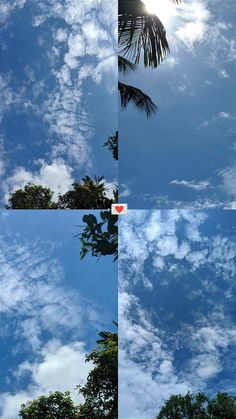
(58, 87)
(185, 156)
(52, 305)
(177, 320)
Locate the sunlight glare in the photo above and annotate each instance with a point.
(163, 9)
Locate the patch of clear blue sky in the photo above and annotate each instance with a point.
(95, 281)
(172, 146)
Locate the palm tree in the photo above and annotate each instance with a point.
(97, 189)
(139, 33)
(88, 193)
(141, 100)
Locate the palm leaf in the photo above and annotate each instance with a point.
(130, 94)
(140, 32)
(125, 66)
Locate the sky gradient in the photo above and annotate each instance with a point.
(58, 88)
(177, 318)
(52, 305)
(185, 156)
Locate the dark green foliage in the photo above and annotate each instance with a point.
(140, 35)
(130, 94)
(101, 390)
(55, 406)
(112, 145)
(125, 66)
(32, 197)
(87, 194)
(199, 406)
(222, 406)
(100, 237)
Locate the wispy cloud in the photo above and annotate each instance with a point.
(223, 74)
(7, 8)
(44, 319)
(169, 262)
(198, 186)
(81, 47)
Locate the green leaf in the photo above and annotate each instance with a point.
(90, 219)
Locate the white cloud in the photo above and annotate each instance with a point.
(225, 115)
(222, 116)
(156, 238)
(40, 306)
(2, 158)
(145, 365)
(198, 186)
(110, 187)
(207, 366)
(195, 17)
(61, 35)
(223, 74)
(151, 337)
(10, 97)
(91, 39)
(58, 360)
(37, 294)
(229, 181)
(124, 190)
(7, 8)
(85, 48)
(211, 341)
(170, 62)
(59, 368)
(56, 175)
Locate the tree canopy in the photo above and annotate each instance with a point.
(199, 406)
(101, 389)
(99, 237)
(32, 197)
(55, 406)
(87, 194)
(112, 145)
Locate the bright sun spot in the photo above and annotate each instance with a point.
(164, 9)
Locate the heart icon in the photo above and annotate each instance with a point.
(119, 208)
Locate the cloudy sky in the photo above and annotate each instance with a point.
(58, 88)
(185, 156)
(52, 305)
(177, 319)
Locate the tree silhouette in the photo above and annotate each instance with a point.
(140, 34)
(112, 145)
(56, 405)
(100, 238)
(32, 197)
(101, 389)
(87, 194)
(199, 406)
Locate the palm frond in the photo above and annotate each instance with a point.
(130, 94)
(140, 32)
(125, 66)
